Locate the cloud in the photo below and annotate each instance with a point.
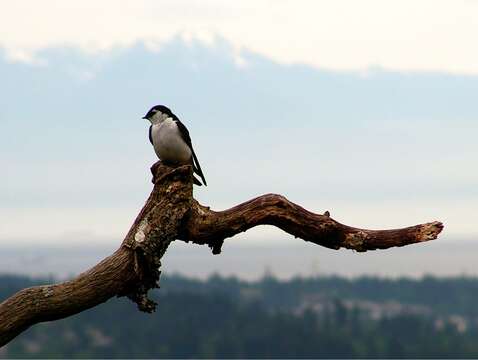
(386, 150)
(402, 35)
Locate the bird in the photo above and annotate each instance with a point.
(171, 140)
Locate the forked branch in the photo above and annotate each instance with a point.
(171, 213)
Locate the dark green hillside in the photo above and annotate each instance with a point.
(322, 317)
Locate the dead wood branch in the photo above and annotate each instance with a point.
(205, 226)
(171, 213)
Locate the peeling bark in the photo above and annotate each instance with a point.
(171, 213)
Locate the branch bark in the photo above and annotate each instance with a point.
(171, 213)
(204, 226)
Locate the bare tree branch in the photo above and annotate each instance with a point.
(171, 213)
(205, 226)
(131, 271)
(51, 302)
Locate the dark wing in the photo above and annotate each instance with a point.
(151, 134)
(187, 139)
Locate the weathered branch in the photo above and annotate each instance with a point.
(171, 213)
(51, 302)
(131, 271)
(205, 226)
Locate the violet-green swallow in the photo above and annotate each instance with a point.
(171, 140)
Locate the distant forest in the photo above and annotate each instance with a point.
(327, 317)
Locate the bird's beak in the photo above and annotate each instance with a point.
(144, 117)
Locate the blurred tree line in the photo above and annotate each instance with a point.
(224, 317)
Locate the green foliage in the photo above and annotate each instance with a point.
(301, 318)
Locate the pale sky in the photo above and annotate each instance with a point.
(405, 35)
(364, 108)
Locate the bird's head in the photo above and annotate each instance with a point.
(157, 114)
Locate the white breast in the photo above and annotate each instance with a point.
(168, 143)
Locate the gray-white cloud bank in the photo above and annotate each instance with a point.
(407, 35)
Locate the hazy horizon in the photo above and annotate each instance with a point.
(285, 258)
(378, 127)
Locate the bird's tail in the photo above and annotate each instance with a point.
(196, 181)
(197, 169)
